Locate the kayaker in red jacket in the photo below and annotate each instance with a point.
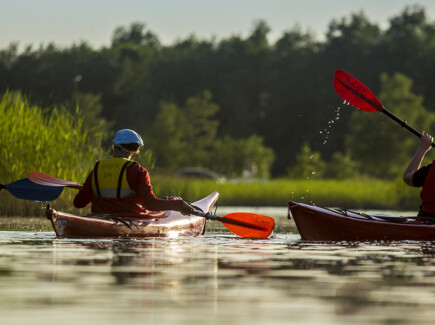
(423, 177)
(121, 186)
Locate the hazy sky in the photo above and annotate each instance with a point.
(67, 21)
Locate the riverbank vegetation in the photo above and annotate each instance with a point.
(361, 194)
(263, 113)
(353, 194)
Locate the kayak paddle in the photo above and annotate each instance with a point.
(26, 190)
(359, 96)
(244, 224)
(47, 180)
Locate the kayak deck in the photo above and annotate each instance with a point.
(322, 224)
(157, 224)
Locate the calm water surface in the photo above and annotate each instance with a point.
(214, 279)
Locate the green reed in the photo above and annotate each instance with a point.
(362, 194)
(32, 224)
(51, 141)
(356, 194)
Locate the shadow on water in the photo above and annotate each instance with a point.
(214, 279)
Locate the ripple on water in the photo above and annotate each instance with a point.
(214, 279)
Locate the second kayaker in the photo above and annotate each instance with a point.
(122, 186)
(424, 177)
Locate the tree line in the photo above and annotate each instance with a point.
(245, 103)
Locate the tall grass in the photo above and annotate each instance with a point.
(53, 142)
(361, 194)
(354, 194)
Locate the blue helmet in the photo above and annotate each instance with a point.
(125, 136)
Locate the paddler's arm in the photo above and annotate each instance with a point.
(139, 180)
(84, 196)
(423, 147)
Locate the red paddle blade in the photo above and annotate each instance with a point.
(249, 225)
(353, 91)
(47, 180)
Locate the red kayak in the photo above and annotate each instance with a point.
(156, 224)
(322, 224)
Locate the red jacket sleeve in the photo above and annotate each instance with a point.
(84, 197)
(139, 180)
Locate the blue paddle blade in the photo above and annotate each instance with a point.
(26, 190)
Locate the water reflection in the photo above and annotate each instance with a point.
(214, 279)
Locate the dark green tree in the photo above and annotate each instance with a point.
(408, 48)
(184, 136)
(243, 76)
(187, 137)
(247, 157)
(136, 34)
(294, 106)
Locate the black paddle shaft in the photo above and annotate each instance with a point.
(402, 123)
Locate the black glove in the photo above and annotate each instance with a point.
(189, 209)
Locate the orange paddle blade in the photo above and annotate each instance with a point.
(248, 225)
